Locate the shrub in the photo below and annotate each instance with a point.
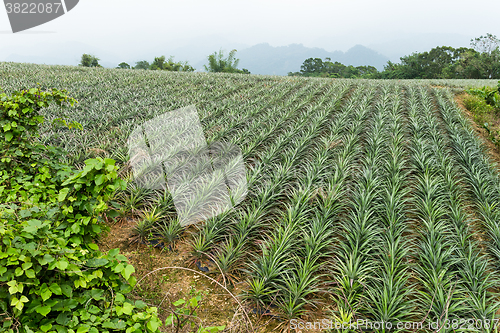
(53, 278)
(476, 104)
(488, 94)
(89, 60)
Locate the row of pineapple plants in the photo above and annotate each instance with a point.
(480, 189)
(158, 218)
(284, 129)
(273, 178)
(448, 250)
(285, 270)
(388, 290)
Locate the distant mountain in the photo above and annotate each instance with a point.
(393, 45)
(266, 59)
(258, 59)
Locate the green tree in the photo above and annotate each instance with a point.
(170, 65)
(485, 44)
(350, 72)
(469, 66)
(312, 67)
(89, 60)
(157, 63)
(438, 63)
(334, 69)
(123, 65)
(217, 63)
(142, 65)
(391, 71)
(489, 55)
(180, 66)
(327, 68)
(481, 61)
(367, 72)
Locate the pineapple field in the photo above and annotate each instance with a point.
(367, 199)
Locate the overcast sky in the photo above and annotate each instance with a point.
(128, 25)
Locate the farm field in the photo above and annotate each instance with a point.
(373, 199)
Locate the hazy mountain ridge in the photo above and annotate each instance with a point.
(258, 59)
(261, 58)
(266, 59)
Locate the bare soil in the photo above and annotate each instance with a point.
(165, 286)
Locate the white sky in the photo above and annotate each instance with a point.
(125, 24)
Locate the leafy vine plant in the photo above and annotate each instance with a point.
(53, 278)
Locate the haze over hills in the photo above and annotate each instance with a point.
(261, 58)
(258, 59)
(394, 45)
(266, 59)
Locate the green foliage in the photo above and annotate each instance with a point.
(484, 103)
(53, 278)
(493, 135)
(482, 61)
(20, 155)
(487, 94)
(160, 63)
(476, 104)
(439, 62)
(315, 67)
(123, 65)
(242, 71)
(170, 65)
(85, 194)
(142, 65)
(89, 60)
(217, 63)
(184, 313)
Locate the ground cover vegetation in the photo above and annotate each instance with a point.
(368, 199)
(53, 278)
(484, 104)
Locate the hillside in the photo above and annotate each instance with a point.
(373, 200)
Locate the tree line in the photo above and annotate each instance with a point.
(217, 63)
(480, 61)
